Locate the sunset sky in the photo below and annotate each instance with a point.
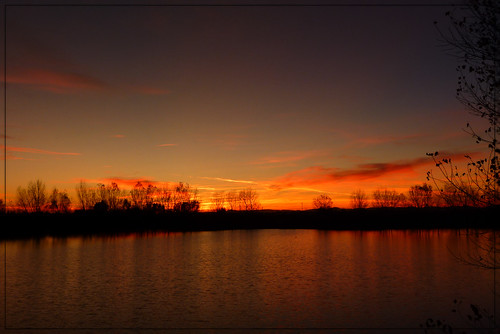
(292, 101)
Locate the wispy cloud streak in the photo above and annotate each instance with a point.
(35, 150)
(228, 180)
(68, 82)
(56, 81)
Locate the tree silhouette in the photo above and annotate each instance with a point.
(165, 197)
(218, 201)
(59, 201)
(323, 201)
(185, 199)
(138, 195)
(86, 196)
(33, 198)
(22, 199)
(474, 39)
(359, 199)
(101, 206)
(232, 200)
(420, 196)
(249, 200)
(385, 198)
(114, 196)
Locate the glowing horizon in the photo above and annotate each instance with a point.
(284, 100)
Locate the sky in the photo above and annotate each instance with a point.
(291, 101)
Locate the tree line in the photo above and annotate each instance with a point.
(179, 197)
(418, 196)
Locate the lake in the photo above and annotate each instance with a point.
(243, 279)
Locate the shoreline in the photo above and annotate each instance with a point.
(84, 223)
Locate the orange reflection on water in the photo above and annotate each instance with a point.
(249, 279)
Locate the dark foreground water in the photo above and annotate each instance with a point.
(242, 279)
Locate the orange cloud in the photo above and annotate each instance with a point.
(319, 175)
(166, 145)
(56, 81)
(118, 136)
(35, 150)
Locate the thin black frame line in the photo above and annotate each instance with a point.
(494, 280)
(235, 5)
(184, 5)
(5, 155)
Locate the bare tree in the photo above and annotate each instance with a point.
(185, 198)
(249, 200)
(36, 191)
(86, 196)
(165, 196)
(323, 201)
(475, 185)
(152, 196)
(421, 195)
(232, 200)
(218, 201)
(359, 199)
(22, 199)
(114, 196)
(58, 201)
(138, 195)
(33, 198)
(384, 198)
(474, 39)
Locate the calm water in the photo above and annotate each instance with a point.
(241, 279)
